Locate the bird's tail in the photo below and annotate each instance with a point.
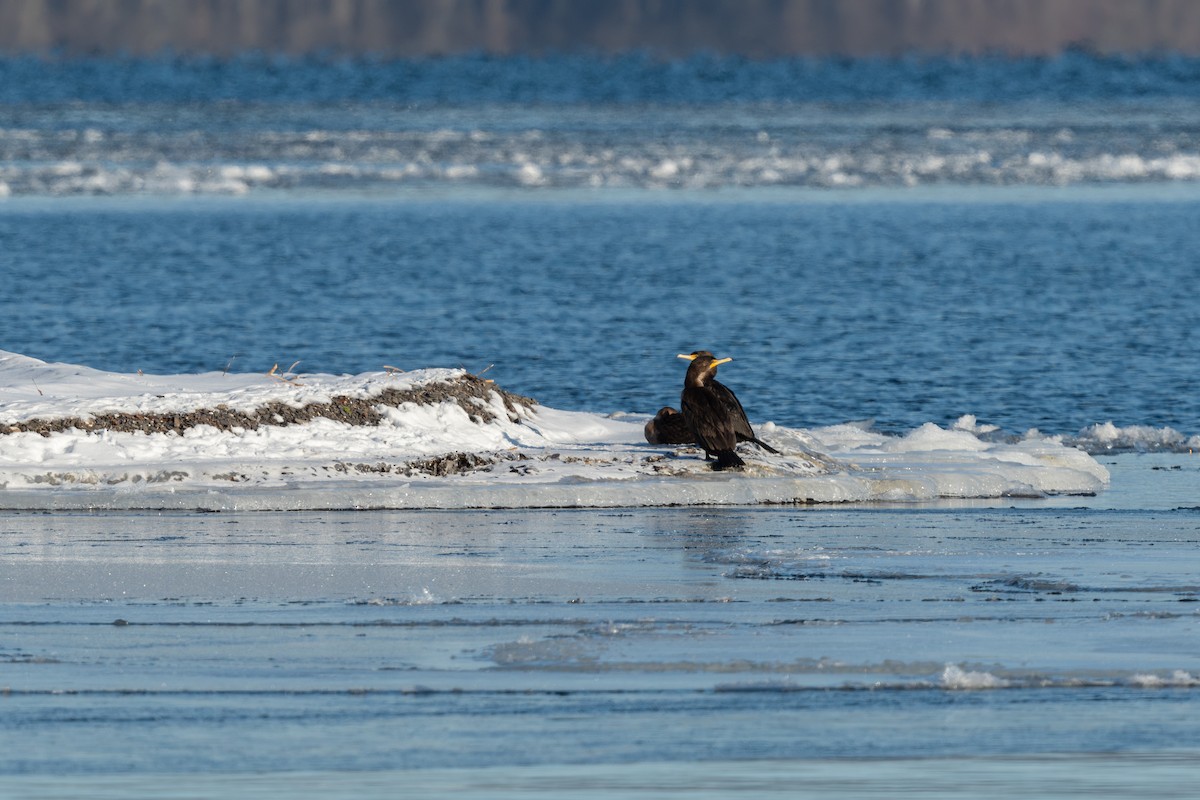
(727, 459)
(765, 446)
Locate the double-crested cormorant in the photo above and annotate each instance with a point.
(669, 427)
(713, 412)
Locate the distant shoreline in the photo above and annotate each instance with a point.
(753, 28)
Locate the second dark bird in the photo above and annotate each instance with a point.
(669, 427)
(713, 412)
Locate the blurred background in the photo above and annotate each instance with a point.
(755, 28)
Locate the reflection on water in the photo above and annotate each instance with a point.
(524, 646)
(1052, 777)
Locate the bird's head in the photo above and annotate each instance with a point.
(703, 366)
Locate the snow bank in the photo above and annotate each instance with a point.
(1109, 438)
(453, 451)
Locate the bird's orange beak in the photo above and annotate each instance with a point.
(687, 356)
(718, 362)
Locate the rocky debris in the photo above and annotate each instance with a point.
(473, 394)
(449, 464)
(459, 463)
(436, 466)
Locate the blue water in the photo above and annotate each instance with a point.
(1055, 313)
(904, 241)
(582, 79)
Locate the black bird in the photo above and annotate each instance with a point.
(669, 427)
(713, 412)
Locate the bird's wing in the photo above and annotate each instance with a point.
(708, 417)
(737, 414)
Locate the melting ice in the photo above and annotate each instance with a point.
(442, 451)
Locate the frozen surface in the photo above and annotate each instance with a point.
(527, 455)
(1052, 777)
(516, 648)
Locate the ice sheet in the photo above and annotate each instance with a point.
(455, 453)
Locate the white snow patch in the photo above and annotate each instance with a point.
(1177, 679)
(968, 423)
(955, 677)
(1107, 437)
(543, 457)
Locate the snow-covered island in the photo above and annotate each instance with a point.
(75, 437)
